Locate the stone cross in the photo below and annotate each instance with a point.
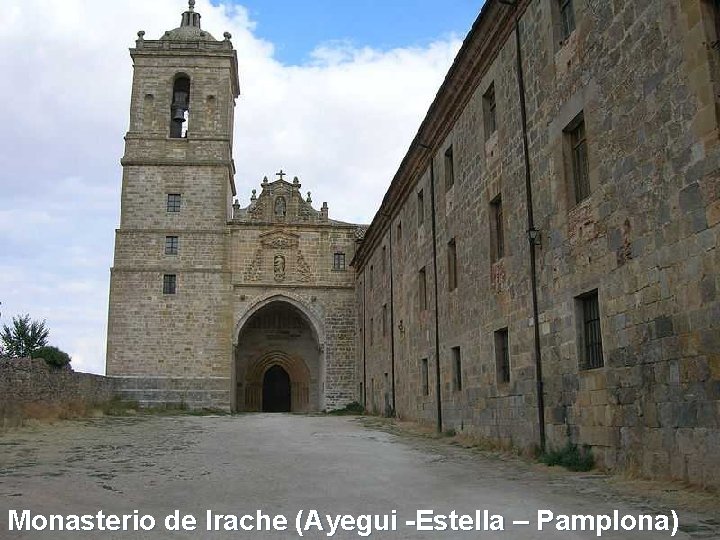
(281, 174)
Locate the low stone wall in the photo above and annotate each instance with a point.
(189, 392)
(30, 388)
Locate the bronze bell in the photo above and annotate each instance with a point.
(178, 114)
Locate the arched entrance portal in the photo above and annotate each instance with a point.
(277, 361)
(276, 390)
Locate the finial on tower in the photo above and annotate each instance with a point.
(190, 18)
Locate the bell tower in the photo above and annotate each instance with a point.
(170, 320)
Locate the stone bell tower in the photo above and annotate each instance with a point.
(169, 323)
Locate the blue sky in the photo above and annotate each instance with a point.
(332, 92)
(298, 27)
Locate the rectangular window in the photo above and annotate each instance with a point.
(449, 169)
(171, 245)
(456, 369)
(173, 202)
(489, 111)
(424, 378)
(421, 207)
(422, 289)
(339, 261)
(452, 265)
(579, 158)
(711, 16)
(497, 233)
(384, 259)
(399, 231)
(384, 320)
(567, 18)
(169, 284)
(372, 276)
(372, 330)
(591, 336)
(502, 356)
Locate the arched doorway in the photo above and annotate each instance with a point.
(276, 393)
(277, 361)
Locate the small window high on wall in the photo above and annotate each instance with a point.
(179, 110)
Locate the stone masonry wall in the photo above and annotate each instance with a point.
(643, 74)
(26, 381)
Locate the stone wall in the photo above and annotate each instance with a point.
(643, 76)
(26, 382)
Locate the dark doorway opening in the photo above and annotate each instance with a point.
(276, 390)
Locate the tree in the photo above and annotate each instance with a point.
(52, 355)
(24, 337)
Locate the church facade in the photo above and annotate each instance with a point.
(543, 270)
(212, 303)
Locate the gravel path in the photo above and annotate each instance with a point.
(281, 464)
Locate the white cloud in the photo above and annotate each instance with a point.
(341, 123)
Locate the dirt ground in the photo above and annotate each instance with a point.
(281, 464)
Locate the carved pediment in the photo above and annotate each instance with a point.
(278, 258)
(280, 202)
(279, 240)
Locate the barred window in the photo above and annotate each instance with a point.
(452, 265)
(424, 378)
(457, 369)
(449, 169)
(339, 261)
(420, 207)
(567, 18)
(422, 289)
(171, 245)
(173, 202)
(591, 336)
(502, 356)
(497, 234)
(490, 112)
(384, 319)
(169, 284)
(579, 158)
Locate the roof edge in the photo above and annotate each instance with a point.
(486, 37)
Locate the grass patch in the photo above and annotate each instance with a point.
(571, 456)
(119, 407)
(351, 409)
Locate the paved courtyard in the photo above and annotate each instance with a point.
(281, 464)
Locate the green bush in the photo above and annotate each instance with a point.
(571, 457)
(349, 409)
(52, 355)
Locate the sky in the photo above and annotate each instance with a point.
(331, 91)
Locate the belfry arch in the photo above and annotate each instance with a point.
(278, 360)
